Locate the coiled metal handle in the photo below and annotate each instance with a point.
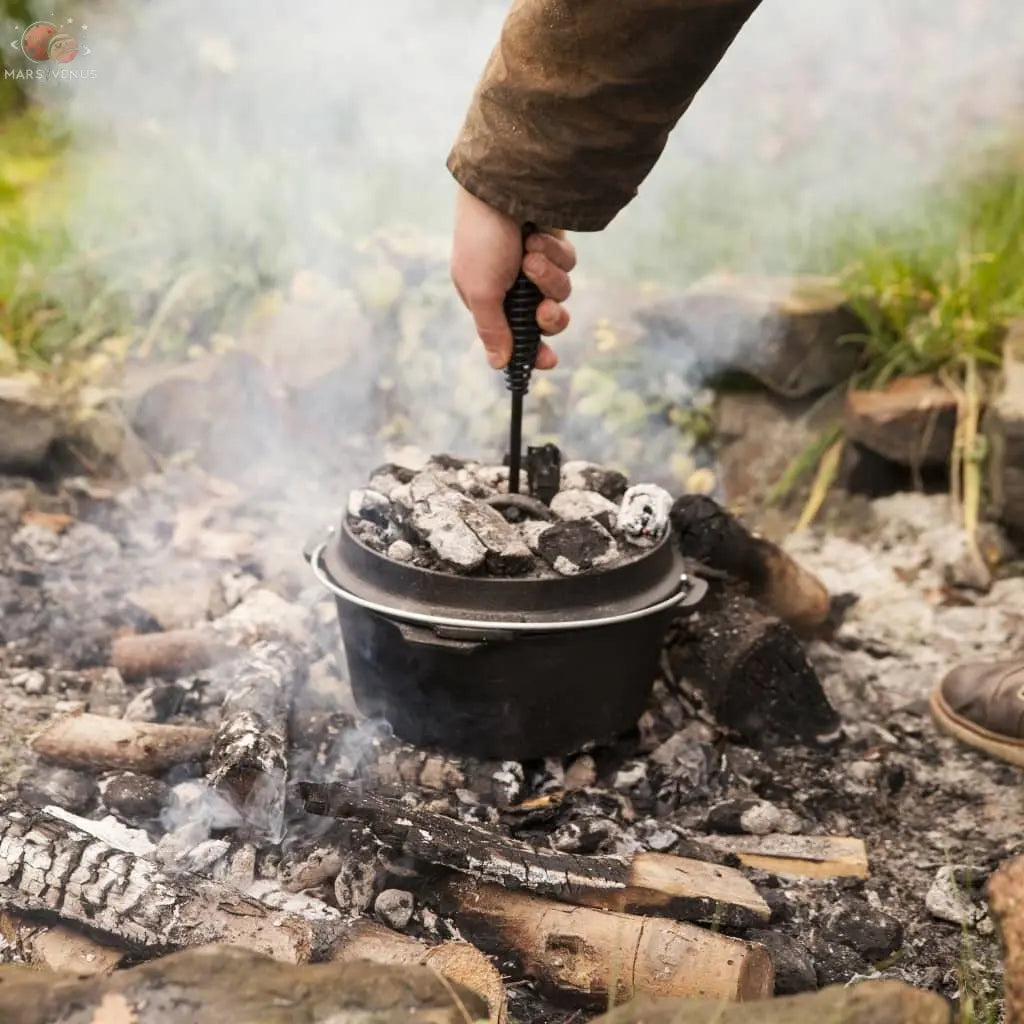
(521, 302)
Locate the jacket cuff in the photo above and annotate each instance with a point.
(566, 217)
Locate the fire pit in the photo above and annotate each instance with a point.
(502, 667)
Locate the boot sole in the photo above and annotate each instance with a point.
(974, 735)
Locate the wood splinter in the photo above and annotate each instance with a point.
(798, 856)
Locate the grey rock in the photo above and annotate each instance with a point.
(752, 817)
(794, 968)
(949, 897)
(31, 680)
(43, 785)
(29, 422)
(394, 908)
(872, 933)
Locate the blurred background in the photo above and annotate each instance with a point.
(210, 179)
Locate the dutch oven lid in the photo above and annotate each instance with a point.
(639, 583)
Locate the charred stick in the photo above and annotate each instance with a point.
(52, 869)
(709, 534)
(248, 763)
(649, 883)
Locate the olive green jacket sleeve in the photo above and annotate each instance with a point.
(578, 98)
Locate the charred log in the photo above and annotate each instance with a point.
(650, 883)
(751, 670)
(51, 869)
(707, 533)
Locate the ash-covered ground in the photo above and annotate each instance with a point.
(80, 563)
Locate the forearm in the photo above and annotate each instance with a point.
(578, 98)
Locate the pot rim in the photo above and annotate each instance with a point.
(689, 591)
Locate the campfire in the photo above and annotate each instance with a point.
(210, 774)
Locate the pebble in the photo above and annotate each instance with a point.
(31, 680)
(872, 933)
(948, 897)
(399, 551)
(74, 791)
(752, 817)
(394, 908)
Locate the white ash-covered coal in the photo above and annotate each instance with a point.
(456, 515)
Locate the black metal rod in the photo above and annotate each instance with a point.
(515, 443)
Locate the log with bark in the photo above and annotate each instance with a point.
(170, 654)
(751, 670)
(651, 883)
(248, 762)
(58, 947)
(51, 868)
(220, 985)
(457, 961)
(102, 743)
(707, 533)
(586, 956)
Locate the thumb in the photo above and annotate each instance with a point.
(494, 332)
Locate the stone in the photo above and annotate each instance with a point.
(223, 985)
(394, 908)
(366, 503)
(949, 896)
(577, 474)
(29, 422)
(791, 334)
(575, 546)
(910, 421)
(794, 968)
(43, 785)
(1006, 899)
(757, 435)
(100, 440)
(1004, 432)
(871, 1002)
(872, 933)
(752, 817)
(31, 680)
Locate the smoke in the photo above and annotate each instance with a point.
(240, 144)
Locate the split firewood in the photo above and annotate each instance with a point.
(457, 961)
(590, 956)
(650, 883)
(709, 534)
(248, 762)
(798, 856)
(58, 947)
(167, 655)
(751, 670)
(100, 743)
(48, 867)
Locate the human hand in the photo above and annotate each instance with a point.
(487, 253)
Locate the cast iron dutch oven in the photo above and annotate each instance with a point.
(502, 668)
